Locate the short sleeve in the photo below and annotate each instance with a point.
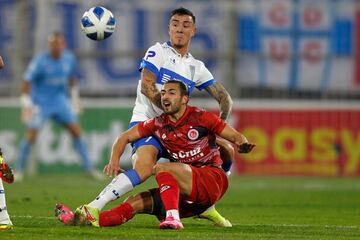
(153, 59)
(33, 70)
(204, 78)
(212, 122)
(147, 128)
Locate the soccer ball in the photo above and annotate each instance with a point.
(98, 23)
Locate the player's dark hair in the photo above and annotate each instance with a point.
(55, 34)
(183, 88)
(182, 11)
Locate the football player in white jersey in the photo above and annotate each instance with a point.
(162, 62)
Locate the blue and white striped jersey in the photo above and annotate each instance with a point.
(166, 63)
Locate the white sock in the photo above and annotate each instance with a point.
(120, 185)
(173, 213)
(4, 216)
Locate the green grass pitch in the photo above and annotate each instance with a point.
(258, 207)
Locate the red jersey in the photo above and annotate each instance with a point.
(191, 139)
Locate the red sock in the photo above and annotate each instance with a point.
(116, 216)
(169, 190)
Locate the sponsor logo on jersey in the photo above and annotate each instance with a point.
(187, 154)
(193, 134)
(150, 54)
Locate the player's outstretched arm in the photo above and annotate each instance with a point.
(148, 87)
(113, 168)
(218, 92)
(242, 144)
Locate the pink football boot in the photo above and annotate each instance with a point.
(64, 214)
(171, 223)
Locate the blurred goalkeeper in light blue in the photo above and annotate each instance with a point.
(48, 82)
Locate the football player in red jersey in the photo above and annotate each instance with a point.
(190, 184)
(161, 62)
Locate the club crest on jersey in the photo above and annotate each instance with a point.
(193, 134)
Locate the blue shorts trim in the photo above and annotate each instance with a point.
(147, 141)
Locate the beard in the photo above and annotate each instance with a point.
(172, 110)
(178, 45)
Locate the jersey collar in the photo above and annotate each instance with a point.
(186, 113)
(168, 44)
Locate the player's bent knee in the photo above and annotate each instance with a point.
(144, 173)
(144, 162)
(160, 167)
(144, 168)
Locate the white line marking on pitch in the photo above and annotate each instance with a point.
(247, 225)
(28, 216)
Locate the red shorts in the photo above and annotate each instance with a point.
(209, 185)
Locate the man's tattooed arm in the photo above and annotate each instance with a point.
(218, 92)
(148, 87)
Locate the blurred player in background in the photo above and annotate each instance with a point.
(191, 183)
(48, 82)
(6, 174)
(161, 63)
